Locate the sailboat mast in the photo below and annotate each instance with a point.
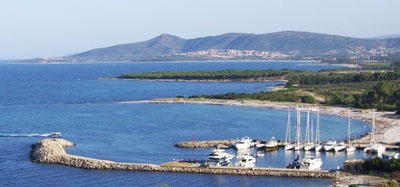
(317, 128)
(307, 138)
(288, 135)
(348, 124)
(298, 132)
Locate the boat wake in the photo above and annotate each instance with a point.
(26, 135)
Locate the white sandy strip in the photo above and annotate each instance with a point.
(387, 125)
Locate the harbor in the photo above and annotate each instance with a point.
(52, 151)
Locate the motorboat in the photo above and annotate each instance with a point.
(220, 157)
(296, 164)
(244, 143)
(55, 134)
(329, 145)
(246, 160)
(271, 144)
(341, 146)
(311, 163)
(261, 144)
(375, 148)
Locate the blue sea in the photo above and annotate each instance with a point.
(36, 99)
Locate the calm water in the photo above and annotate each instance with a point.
(38, 99)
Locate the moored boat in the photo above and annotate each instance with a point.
(244, 143)
(246, 160)
(328, 146)
(220, 158)
(271, 144)
(341, 146)
(311, 163)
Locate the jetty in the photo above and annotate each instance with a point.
(52, 151)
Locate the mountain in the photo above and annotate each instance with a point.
(279, 45)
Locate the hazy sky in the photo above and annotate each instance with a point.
(48, 28)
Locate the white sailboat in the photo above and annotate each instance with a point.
(350, 147)
(374, 147)
(289, 145)
(299, 146)
(309, 144)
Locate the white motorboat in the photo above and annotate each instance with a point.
(311, 163)
(271, 144)
(246, 160)
(373, 147)
(261, 144)
(341, 146)
(329, 145)
(350, 148)
(220, 157)
(244, 143)
(55, 134)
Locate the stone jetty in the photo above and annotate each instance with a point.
(207, 144)
(52, 151)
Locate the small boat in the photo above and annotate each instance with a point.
(341, 146)
(55, 134)
(271, 144)
(261, 144)
(244, 143)
(318, 147)
(350, 148)
(296, 164)
(220, 157)
(311, 163)
(328, 146)
(259, 154)
(246, 160)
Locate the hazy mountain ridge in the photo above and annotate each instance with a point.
(283, 45)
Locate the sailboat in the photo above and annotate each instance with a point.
(289, 145)
(374, 147)
(350, 147)
(309, 145)
(318, 145)
(299, 146)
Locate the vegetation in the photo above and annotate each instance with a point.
(380, 165)
(360, 89)
(212, 75)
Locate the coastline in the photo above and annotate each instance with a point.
(386, 123)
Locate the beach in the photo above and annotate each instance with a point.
(387, 124)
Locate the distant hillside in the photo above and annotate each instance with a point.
(279, 45)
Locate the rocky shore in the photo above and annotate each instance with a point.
(52, 151)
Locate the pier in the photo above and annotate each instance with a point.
(52, 151)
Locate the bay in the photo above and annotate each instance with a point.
(37, 99)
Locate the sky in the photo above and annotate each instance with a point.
(50, 28)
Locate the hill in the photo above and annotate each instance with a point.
(279, 45)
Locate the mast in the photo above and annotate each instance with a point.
(298, 132)
(348, 125)
(287, 138)
(317, 128)
(307, 137)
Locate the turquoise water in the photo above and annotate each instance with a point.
(38, 99)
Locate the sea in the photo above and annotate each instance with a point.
(36, 99)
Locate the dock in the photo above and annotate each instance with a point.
(52, 151)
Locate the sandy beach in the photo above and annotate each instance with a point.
(387, 125)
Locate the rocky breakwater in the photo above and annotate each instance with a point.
(207, 144)
(52, 151)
